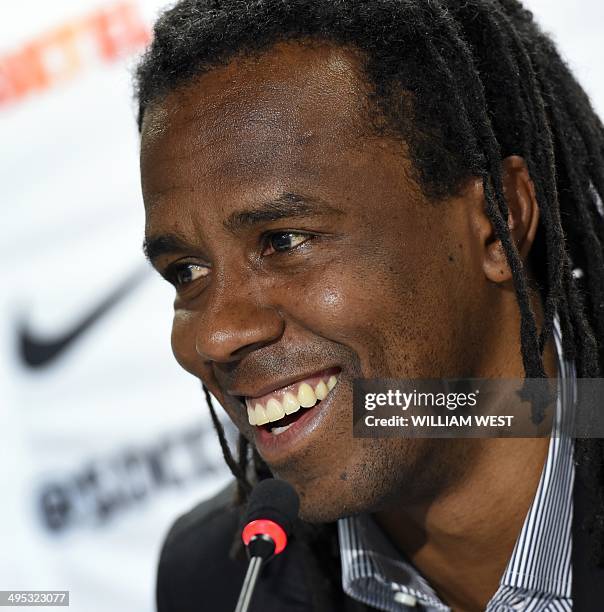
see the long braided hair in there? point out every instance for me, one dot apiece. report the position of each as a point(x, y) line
point(464, 84)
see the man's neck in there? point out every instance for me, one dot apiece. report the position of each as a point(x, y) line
point(462, 543)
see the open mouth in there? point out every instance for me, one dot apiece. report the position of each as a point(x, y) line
point(278, 410)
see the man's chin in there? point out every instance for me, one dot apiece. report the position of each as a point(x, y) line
point(345, 489)
point(317, 515)
point(326, 501)
point(320, 501)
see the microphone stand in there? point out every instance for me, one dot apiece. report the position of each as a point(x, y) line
point(249, 583)
point(260, 548)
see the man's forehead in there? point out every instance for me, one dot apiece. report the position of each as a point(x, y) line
point(286, 113)
point(290, 87)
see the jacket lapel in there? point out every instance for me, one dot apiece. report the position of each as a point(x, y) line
point(588, 579)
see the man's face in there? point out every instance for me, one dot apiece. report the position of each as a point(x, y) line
point(303, 251)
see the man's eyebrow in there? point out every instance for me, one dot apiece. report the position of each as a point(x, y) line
point(286, 206)
point(154, 246)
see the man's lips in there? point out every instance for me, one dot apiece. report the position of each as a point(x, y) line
point(288, 397)
point(279, 440)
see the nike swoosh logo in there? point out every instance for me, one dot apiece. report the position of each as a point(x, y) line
point(36, 352)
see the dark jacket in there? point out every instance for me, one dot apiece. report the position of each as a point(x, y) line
point(197, 571)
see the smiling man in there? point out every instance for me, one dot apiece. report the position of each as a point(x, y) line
point(378, 189)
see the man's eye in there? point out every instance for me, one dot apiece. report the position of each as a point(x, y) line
point(186, 273)
point(282, 242)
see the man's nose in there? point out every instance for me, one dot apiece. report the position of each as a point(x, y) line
point(234, 326)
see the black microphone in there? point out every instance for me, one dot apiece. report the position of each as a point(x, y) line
point(272, 509)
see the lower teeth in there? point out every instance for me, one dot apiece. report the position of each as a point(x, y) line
point(278, 430)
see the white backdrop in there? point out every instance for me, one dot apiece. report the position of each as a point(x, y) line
point(105, 441)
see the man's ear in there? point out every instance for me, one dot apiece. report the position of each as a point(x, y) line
point(523, 220)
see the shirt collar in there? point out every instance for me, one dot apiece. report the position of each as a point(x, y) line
point(541, 560)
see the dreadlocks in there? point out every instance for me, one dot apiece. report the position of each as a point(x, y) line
point(464, 85)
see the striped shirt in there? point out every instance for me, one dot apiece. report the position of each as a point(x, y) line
point(538, 577)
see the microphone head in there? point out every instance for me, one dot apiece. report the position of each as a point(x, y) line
point(273, 500)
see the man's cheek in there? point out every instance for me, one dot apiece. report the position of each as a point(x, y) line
point(335, 306)
point(183, 341)
point(185, 351)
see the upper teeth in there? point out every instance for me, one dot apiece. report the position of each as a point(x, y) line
point(276, 405)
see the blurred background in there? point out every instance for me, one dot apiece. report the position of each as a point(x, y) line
point(104, 441)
